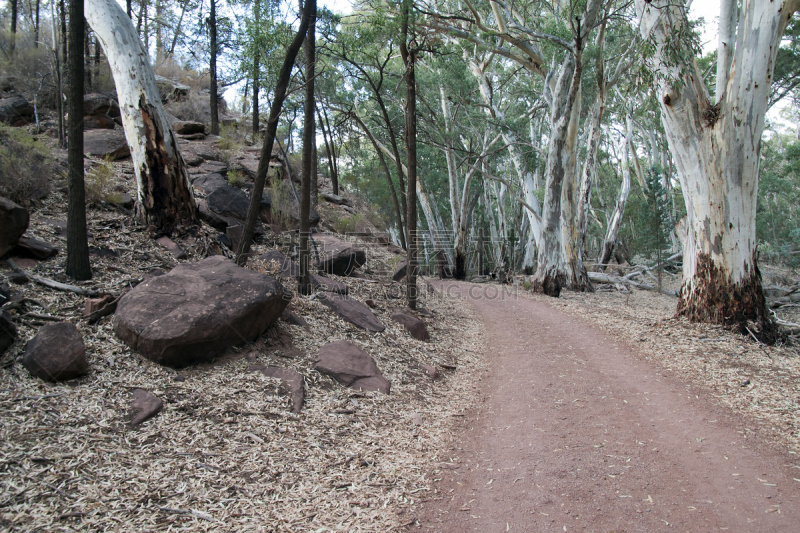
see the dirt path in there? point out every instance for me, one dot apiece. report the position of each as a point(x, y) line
point(575, 433)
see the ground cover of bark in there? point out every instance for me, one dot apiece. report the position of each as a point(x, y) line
point(225, 454)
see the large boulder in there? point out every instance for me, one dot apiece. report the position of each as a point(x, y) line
point(187, 127)
point(337, 256)
point(100, 104)
point(8, 331)
point(352, 311)
point(171, 90)
point(225, 206)
point(106, 144)
point(16, 111)
point(413, 325)
point(99, 111)
point(14, 221)
point(351, 366)
point(56, 353)
point(198, 310)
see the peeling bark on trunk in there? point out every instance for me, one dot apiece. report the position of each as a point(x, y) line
point(164, 194)
point(716, 152)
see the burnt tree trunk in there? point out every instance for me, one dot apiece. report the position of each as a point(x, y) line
point(77, 265)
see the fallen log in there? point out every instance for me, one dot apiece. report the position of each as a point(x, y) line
point(600, 277)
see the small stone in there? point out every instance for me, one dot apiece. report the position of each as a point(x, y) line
point(413, 325)
point(351, 366)
point(370, 303)
point(37, 248)
point(416, 419)
point(144, 405)
point(400, 273)
point(56, 353)
point(26, 262)
point(352, 311)
point(430, 370)
point(95, 304)
point(18, 278)
point(292, 380)
point(293, 318)
point(173, 248)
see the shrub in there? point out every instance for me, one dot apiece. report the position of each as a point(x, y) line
point(25, 166)
point(236, 178)
point(98, 183)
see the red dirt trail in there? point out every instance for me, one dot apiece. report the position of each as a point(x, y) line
point(577, 433)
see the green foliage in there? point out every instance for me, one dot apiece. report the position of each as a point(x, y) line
point(25, 166)
point(777, 224)
point(236, 178)
point(654, 220)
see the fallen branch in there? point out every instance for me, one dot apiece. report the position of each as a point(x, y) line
point(106, 310)
point(600, 277)
point(52, 284)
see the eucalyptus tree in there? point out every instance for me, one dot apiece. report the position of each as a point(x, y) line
point(281, 88)
point(715, 145)
point(514, 32)
point(165, 197)
point(366, 55)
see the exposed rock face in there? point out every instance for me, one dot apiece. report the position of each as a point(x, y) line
point(337, 256)
point(198, 310)
point(16, 111)
point(321, 283)
point(414, 325)
point(400, 273)
point(106, 144)
point(351, 310)
point(171, 90)
point(99, 111)
point(290, 379)
point(8, 331)
point(230, 206)
point(144, 405)
point(293, 318)
point(13, 223)
point(37, 248)
point(351, 366)
point(56, 353)
point(186, 127)
point(100, 104)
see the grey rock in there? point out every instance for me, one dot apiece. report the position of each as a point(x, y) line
point(413, 325)
point(14, 221)
point(56, 353)
point(351, 366)
point(352, 311)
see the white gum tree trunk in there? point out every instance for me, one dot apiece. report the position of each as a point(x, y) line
point(525, 179)
point(164, 194)
point(612, 231)
point(716, 152)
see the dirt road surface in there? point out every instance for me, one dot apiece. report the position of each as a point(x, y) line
point(576, 433)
